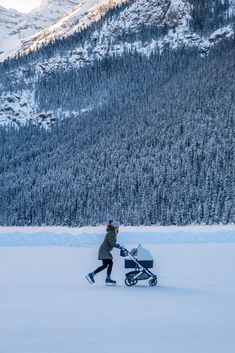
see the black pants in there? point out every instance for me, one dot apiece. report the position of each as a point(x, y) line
point(106, 263)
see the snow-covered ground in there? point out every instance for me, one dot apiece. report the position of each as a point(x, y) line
point(65, 236)
point(47, 306)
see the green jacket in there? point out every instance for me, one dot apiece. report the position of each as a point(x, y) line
point(107, 246)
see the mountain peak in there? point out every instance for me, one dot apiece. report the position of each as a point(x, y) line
point(16, 27)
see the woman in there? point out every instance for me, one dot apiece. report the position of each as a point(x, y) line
point(105, 253)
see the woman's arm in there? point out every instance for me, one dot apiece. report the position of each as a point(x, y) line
point(112, 241)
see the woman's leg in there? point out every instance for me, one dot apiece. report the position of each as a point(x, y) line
point(101, 268)
point(109, 268)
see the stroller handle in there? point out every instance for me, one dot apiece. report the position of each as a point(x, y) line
point(126, 253)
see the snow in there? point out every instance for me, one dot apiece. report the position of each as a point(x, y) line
point(56, 19)
point(80, 17)
point(16, 28)
point(65, 236)
point(48, 306)
point(20, 109)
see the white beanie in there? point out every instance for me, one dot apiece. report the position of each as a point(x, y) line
point(115, 224)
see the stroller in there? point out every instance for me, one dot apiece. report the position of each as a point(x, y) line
point(141, 260)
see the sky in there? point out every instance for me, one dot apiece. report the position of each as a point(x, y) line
point(20, 5)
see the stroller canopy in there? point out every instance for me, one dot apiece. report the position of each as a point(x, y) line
point(142, 255)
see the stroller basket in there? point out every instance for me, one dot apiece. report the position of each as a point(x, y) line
point(140, 276)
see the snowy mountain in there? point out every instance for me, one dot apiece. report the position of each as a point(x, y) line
point(138, 101)
point(99, 29)
point(9, 23)
point(175, 15)
point(54, 19)
point(83, 15)
point(15, 27)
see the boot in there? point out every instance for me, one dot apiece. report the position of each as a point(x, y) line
point(110, 282)
point(90, 277)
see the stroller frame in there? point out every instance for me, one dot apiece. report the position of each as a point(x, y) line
point(140, 273)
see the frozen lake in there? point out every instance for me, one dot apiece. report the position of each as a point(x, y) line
point(47, 306)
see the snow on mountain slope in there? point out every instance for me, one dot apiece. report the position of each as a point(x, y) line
point(16, 27)
point(20, 107)
point(174, 15)
point(108, 39)
point(9, 22)
point(56, 19)
point(83, 15)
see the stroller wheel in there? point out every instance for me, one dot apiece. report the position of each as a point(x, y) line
point(130, 282)
point(153, 282)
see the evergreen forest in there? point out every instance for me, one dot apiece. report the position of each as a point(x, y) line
point(147, 139)
point(156, 146)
